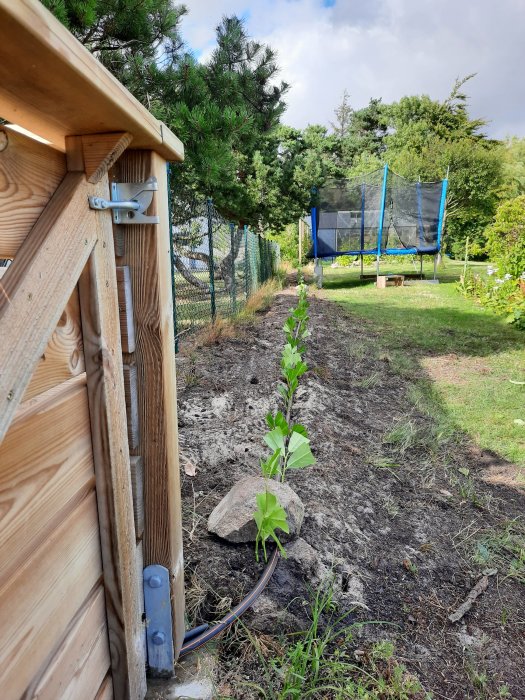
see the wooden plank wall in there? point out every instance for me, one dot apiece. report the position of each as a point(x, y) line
point(53, 629)
point(64, 461)
point(70, 501)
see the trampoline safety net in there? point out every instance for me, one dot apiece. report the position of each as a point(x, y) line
point(379, 212)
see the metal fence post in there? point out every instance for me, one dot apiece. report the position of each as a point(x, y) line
point(172, 259)
point(209, 210)
point(246, 263)
point(233, 290)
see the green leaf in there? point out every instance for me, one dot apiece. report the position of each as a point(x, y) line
point(269, 516)
point(296, 440)
point(275, 439)
point(302, 457)
point(298, 428)
point(270, 467)
point(290, 357)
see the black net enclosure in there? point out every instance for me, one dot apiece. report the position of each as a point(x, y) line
point(377, 213)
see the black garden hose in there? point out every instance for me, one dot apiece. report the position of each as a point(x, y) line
point(196, 642)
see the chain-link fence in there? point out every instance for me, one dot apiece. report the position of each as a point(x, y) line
point(216, 265)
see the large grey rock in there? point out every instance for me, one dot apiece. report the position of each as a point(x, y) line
point(233, 519)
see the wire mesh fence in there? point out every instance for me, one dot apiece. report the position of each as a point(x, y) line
point(217, 266)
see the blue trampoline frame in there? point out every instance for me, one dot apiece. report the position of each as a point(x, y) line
point(378, 251)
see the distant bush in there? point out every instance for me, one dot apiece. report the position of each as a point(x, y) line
point(503, 287)
point(344, 260)
point(506, 238)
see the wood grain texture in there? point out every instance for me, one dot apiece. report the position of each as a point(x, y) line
point(137, 487)
point(58, 88)
point(147, 252)
point(78, 666)
point(63, 357)
point(105, 692)
point(36, 287)
point(132, 404)
point(47, 469)
point(103, 357)
point(125, 305)
point(30, 172)
point(40, 601)
point(101, 152)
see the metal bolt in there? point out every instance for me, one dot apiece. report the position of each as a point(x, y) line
point(154, 582)
point(158, 638)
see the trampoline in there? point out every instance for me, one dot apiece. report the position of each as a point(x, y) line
point(380, 213)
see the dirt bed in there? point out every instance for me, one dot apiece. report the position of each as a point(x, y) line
point(402, 527)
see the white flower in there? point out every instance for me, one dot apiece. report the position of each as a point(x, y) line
point(498, 281)
point(507, 277)
point(490, 270)
point(522, 275)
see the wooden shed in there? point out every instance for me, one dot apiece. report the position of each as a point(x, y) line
point(89, 483)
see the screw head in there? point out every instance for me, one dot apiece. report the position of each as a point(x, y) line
point(158, 638)
point(154, 582)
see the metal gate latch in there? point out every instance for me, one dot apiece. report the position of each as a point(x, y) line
point(129, 201)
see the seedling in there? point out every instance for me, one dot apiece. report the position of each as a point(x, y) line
point(289, 443)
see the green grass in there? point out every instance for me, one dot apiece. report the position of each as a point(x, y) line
point(319, 663)
point(469, 352)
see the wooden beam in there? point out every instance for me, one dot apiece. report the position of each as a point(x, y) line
point(103, 358)
point(30, 172)
point(36, 287)
point(147, 253)
point(101, 152)
point(59, 88)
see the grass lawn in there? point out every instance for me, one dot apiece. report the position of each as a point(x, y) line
point(469, 353)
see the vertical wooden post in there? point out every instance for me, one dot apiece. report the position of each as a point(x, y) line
point(102, 348)
point(147, 253)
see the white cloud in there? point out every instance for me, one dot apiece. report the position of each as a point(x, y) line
point(384, 48)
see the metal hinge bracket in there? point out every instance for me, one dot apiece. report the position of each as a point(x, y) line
point(129, 201)
point(159, 631)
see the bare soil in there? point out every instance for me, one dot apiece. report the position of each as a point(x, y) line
point(397, 529)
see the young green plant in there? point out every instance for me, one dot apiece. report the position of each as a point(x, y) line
point(289, 443)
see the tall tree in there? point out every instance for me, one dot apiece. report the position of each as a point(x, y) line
point(343, 117)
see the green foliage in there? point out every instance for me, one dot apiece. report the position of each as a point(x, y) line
point(319, 663)
point(514, 167)
point(503, 288)
point(506, 238)
point(289, 443)
point(269, 516)
point(116, 30)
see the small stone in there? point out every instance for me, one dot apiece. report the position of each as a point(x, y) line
point(232, 519)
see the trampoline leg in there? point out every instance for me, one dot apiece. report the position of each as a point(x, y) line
point(318, 274)
point(362, 269)
point(377, 267)
point(421, 266)
point(435, 265)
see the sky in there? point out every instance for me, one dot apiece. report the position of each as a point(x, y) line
point(383, 48)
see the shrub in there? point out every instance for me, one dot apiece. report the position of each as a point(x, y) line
point(506, 238)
